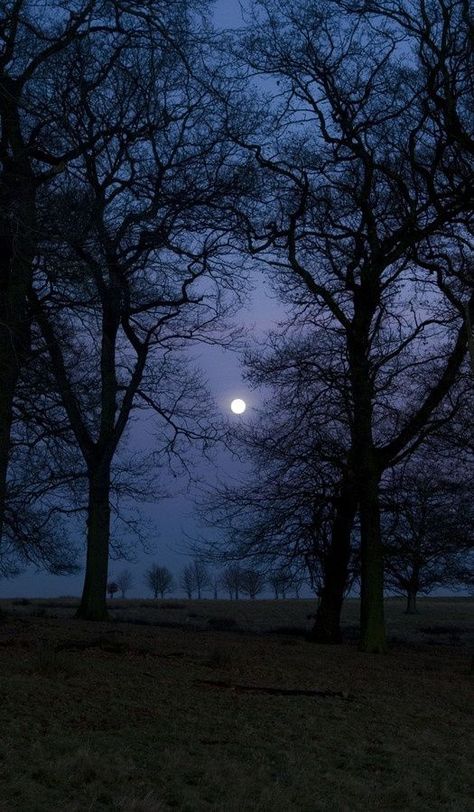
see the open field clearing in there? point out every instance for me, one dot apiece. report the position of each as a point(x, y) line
point(439, 620)
point(135, 716)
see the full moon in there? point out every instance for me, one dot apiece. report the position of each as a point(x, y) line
point(238, 406)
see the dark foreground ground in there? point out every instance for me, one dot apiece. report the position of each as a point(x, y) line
point(197, 705)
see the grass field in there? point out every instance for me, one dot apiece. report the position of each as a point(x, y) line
point(199, 705)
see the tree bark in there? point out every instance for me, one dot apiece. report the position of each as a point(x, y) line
point(327, 626)
point(372, 622)
point(93, 604)
point(367, 474)
point(411, 603)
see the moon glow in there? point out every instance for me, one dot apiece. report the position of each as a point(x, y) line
point(238, 406)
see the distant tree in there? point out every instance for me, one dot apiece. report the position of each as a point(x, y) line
point(124, 582)
point(428, 528)
point(201, 576)
point(188, 581)
point(280, 582)
point(159, 580)
point(216, 581)
point(231, 580)
point(112, 588)
point(298, 583)
point(252, 582)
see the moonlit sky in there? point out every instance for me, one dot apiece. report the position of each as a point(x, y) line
point(174, 519)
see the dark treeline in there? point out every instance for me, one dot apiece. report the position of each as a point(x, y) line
point(145, 161)
point(196, 580)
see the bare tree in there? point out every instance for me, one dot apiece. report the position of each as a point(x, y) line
point(134, 271)
point(298, 583)
point(345, 221)
point(201, 576)
point(112, 589)
point(188, 581)
point(428, 526)
point(124, 582)
point(216, 581)
point(280, 581)
point(159, 580)
point(40, 85)
point(231, 580)
point(296, 509)
point(252, 582)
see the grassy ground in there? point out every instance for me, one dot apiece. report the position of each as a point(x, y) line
point(125, 716)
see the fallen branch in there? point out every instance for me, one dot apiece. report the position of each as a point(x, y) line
point(259, 689)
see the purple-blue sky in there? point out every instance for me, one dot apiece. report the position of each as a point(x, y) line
point(227, 14)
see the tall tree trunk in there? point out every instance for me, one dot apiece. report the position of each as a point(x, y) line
point(17, 250)
point(93, 604)
point(372, 623)
point(327, 626)
point(367, 471)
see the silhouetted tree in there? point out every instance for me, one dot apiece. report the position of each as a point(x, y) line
point(216, 582)
point(280, 582)
point(124, 582)
point(132, 272)
point(159, 580)
point(252, 582)
point(201, 576)
point(296, 509)
point(188, 581)
point(112, 588)
point(42, 55)
point(231, 580)
point(345, 219)
point(428, 526)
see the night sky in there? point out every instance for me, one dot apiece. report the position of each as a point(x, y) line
point(174, 518)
